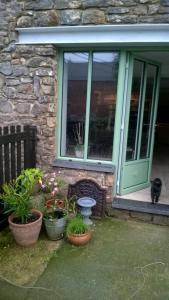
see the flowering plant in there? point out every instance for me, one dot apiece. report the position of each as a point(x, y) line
point(53, 185)
point(50, 183)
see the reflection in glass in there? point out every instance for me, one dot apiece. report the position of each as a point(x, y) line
point(134, 110)
point(151, 75)
point(74, 104)
point(103, 104)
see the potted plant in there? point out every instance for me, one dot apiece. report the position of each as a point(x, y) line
point(24, 222)
point(55, 222)
point(30, 178)
point(70, 206)
point(51, 185)
point(78, 232)
point(79, 137)
point(55, 215)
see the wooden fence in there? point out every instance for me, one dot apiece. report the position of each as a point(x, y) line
point(17, 151)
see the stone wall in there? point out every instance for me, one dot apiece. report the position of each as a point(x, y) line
point(105, 180)
point(28, 74)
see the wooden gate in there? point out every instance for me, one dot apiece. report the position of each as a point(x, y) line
point(17, 151)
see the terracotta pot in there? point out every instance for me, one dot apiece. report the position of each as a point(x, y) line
point(79, 239)
point(57, 203)
point(26, 234)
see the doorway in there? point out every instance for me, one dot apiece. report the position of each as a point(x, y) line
point(159, 138)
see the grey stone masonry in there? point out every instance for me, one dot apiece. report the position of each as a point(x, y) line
point(28, 74)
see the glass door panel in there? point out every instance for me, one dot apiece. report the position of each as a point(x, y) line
point(135, 105)
point(147, 115)
point(140, 118)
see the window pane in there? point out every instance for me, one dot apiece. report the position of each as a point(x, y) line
point(134, 109)
point(151, 72)
point(102, 106)
point(74, 103)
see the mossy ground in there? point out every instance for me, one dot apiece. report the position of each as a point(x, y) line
point(124, 260)
point(24, 265)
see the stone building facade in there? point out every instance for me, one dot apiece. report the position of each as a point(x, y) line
point(28, 73)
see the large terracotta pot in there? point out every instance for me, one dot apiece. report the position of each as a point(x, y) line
point(79, 239)
point(26, 234)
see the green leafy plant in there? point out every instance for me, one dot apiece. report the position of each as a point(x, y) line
point(54, 213)
point(76, 226)
point(16, 194)
point(70, 205)
point(29, 178)
point(16, 201)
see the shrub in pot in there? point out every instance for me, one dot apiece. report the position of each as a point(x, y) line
point(55, 215)
point(58, 206)
point(51, 185)
point(55, 220)
point(78, 232)
point(30, 179)
point(24, 222)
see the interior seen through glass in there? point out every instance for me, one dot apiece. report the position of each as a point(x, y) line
point(74, 103)
point(134, 110)
point(161, 144)
point(141, 110)
point(148, 111)
point(102, 105)
point(102, 94)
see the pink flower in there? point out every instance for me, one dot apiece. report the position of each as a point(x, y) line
point(53, 193)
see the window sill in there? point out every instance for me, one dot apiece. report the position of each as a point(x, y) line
point(98, 167)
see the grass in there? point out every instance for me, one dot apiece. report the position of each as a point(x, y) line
point(22, 266)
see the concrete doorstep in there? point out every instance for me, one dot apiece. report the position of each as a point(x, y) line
point(143, 211)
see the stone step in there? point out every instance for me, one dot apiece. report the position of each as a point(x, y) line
point(141, 206)
point(139, 210)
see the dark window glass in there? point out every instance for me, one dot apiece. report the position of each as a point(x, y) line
point(146, 129)
point(74, 103)
point(134, 110)
point(102, 105)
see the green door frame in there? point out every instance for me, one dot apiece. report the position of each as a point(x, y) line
point(124, 128)
point(124, 77)
point(120, 85)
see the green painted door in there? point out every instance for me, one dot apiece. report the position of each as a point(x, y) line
point(137, 133)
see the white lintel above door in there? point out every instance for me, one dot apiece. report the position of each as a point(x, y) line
point(130, 35)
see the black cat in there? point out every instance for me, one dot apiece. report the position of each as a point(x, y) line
point(156, 186)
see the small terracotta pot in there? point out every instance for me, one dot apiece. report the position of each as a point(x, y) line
point(58, 203)
point(79, 239)
point(26, 234)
